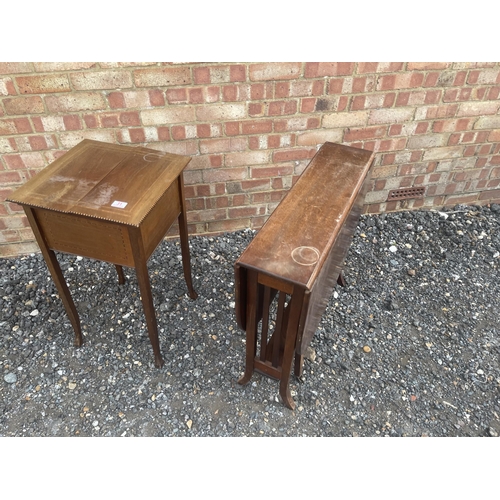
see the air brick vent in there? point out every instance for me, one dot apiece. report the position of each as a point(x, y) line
point(406, 193)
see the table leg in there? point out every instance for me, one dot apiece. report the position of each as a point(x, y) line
point(121, 276)
point(141, 269)
point(251, 327)
point(183, 232)
point(290, 340)
point(57, 276)
point(298, 365)
point(341, 279)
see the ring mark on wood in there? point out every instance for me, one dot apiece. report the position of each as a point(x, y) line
point(305, 256)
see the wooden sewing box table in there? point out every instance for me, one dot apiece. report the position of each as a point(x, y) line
point(112, 203)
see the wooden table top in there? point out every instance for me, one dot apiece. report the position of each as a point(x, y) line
point(294, 242)
point(105, 181)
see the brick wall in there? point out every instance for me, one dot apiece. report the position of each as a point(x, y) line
point(251, 128)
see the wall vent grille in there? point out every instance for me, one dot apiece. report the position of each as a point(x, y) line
point(406, 193)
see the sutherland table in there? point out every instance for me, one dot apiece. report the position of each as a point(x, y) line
point(112, 203)
point(298, 256)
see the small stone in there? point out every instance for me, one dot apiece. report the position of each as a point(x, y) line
point(393, 249)
point(34, 312)
point(412, 272)
point(310, 354)
point(189, 423)
point(367, 348)
point(10, 378)
point(71, 386)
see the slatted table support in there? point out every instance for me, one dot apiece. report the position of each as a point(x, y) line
point(285, 276)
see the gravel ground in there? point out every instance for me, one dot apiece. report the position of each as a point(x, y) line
point(410, 347)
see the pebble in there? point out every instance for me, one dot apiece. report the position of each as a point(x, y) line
point(435, 367)
point(10, 378)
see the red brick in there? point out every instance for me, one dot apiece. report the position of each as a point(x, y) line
point(257, 127)
point(315, 70)
point(230, 93)
point(255, 185)
point(432, 112)
point(493, 93)
point(451, 125)
point(203, 130)
point(335, 86)
point(45, 67)
point(222, 145)
point(80, 101)
point(101, 80)
point(273, 141)
point(224, 174)
point(255, 143)
point(15, 126)
point(7, 86)
point(9, 68)
point(482, 136)
point(224, 226)
point(249, 211)
point(130, 118)
point(232, 128)
point(72, 122)
point(10, 177)
point(374, 67)
point(343, 103)
point(176, 95)
point(278, 108)
point(24, 105)
point(237, 73)
point(90, 121)
point(431, 79)
point(116, 100)
point(195, 96)
point(137, 135)
point(259, 91)
point(479, 93)
point(282, 89)
point(239, 200)
point(274, 71)
point(38, 142)
point(422, 66)
point(313, 123)
point(215, 112)
point(304, 88)
point(156, 97)
point(293, 154)
point(308, 105)
point(42, 84)
point(422, 127)
point(494, 136)
point(478, 108)
point(178, 133)
point(162, 77)
point(487, 76)
point(358, 102)
point(364, 133)
point(109, 121)
point(400, 81)
point(267, 172)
